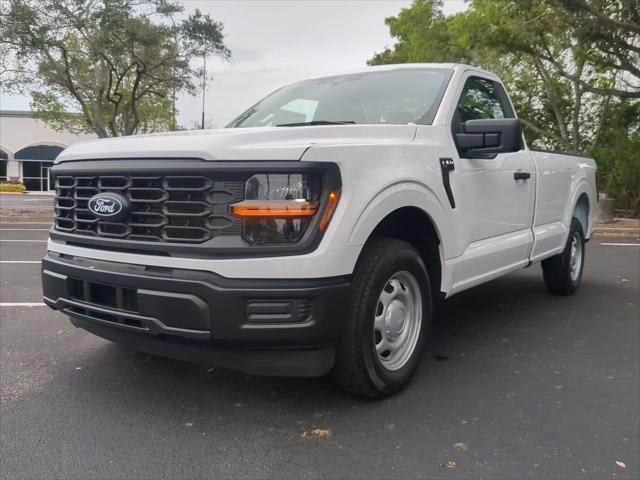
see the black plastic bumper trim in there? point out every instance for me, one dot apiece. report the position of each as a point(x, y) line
point(289, 362)
point(203, 317)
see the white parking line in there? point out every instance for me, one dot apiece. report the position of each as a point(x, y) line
point(35, 241)
point(621, 244)
point(32, 304)
point(20, 261)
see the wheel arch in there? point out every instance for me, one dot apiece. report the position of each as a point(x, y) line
point(414, 226)
point(410, 204)
point(581, 212)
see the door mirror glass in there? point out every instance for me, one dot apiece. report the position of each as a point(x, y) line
point(488, 137)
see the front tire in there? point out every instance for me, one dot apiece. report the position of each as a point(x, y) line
point(389, 318)
point(563, 272)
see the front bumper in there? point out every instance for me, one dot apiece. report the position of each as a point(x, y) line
point(268, 327)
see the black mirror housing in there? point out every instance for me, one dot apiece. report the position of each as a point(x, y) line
point(488, 137)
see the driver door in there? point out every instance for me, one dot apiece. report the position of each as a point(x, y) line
point(495, 209)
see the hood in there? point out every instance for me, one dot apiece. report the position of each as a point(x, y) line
point(227, 144)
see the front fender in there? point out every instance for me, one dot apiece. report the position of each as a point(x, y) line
point(394, 197)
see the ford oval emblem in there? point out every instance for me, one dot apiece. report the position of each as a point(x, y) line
point(108, 206)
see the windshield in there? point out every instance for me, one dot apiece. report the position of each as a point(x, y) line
point(380, 97)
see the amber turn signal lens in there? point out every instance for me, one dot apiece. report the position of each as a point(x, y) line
point(334, 198)
point(280, 209)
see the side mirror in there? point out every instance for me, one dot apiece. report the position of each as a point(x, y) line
point(487, 138)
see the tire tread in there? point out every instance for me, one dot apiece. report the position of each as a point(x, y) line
point(555, 270)
point(350, 371)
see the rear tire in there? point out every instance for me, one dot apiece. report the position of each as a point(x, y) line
point(562, 273)
point(389, 319)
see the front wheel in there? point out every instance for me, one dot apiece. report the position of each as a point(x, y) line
point(563, 272)
point(389, 317)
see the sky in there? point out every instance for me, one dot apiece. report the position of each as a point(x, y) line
point(274, 43)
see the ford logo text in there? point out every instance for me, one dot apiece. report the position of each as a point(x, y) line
point(108, 206)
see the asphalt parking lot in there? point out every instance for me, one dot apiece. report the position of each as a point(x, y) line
point(516, 383)
point(28, 202)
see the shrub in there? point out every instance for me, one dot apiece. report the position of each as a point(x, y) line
point(12, 187)
point(619, 171)
point(618, 156)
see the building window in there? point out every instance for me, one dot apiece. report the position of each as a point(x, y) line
point(36, 176)
point(3, 165)
point(36, 162)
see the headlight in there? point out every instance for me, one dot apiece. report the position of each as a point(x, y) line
point(279, 207)
point(283, 186)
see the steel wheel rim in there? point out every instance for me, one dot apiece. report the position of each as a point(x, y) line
point(575, 257)
point(397, 320)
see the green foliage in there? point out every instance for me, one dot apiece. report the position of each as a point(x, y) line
point(120, 62)
point(48, 107)
point(12, 187)
point(204, 36)
point(612, 28)
point(618, 155)
point(571, 66)
point(423, 35)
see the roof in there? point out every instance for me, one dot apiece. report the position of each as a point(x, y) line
point(402, 66)
point(19, 130)
point(452, 66)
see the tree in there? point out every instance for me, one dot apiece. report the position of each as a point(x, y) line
point(118, 61)
point(205, 38)
point(613, 29)
point(537, 41)
point(618, 155)
point(423, 35)
point(570, 67)
point(544, 59)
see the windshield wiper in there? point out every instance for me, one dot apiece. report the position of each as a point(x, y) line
point(316, 122)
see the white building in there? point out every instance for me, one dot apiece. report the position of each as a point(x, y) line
point(28, 148)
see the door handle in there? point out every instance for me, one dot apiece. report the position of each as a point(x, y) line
point(519, 175)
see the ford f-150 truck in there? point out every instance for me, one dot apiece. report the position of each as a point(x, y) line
point(315, 233)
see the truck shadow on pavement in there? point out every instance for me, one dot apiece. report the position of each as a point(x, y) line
point(472, 333)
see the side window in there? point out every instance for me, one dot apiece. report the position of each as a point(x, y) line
point(482, 99)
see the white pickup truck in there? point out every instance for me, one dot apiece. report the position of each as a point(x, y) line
point(315, 233)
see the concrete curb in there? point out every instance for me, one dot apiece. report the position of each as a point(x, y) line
point(616, 229)
point(617, 232)
point(619, 227)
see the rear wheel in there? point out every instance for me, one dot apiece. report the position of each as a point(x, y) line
point(563, 272)
point(390, 315)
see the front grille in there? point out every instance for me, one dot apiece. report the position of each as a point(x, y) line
point(174, 208)
point(106, 303)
